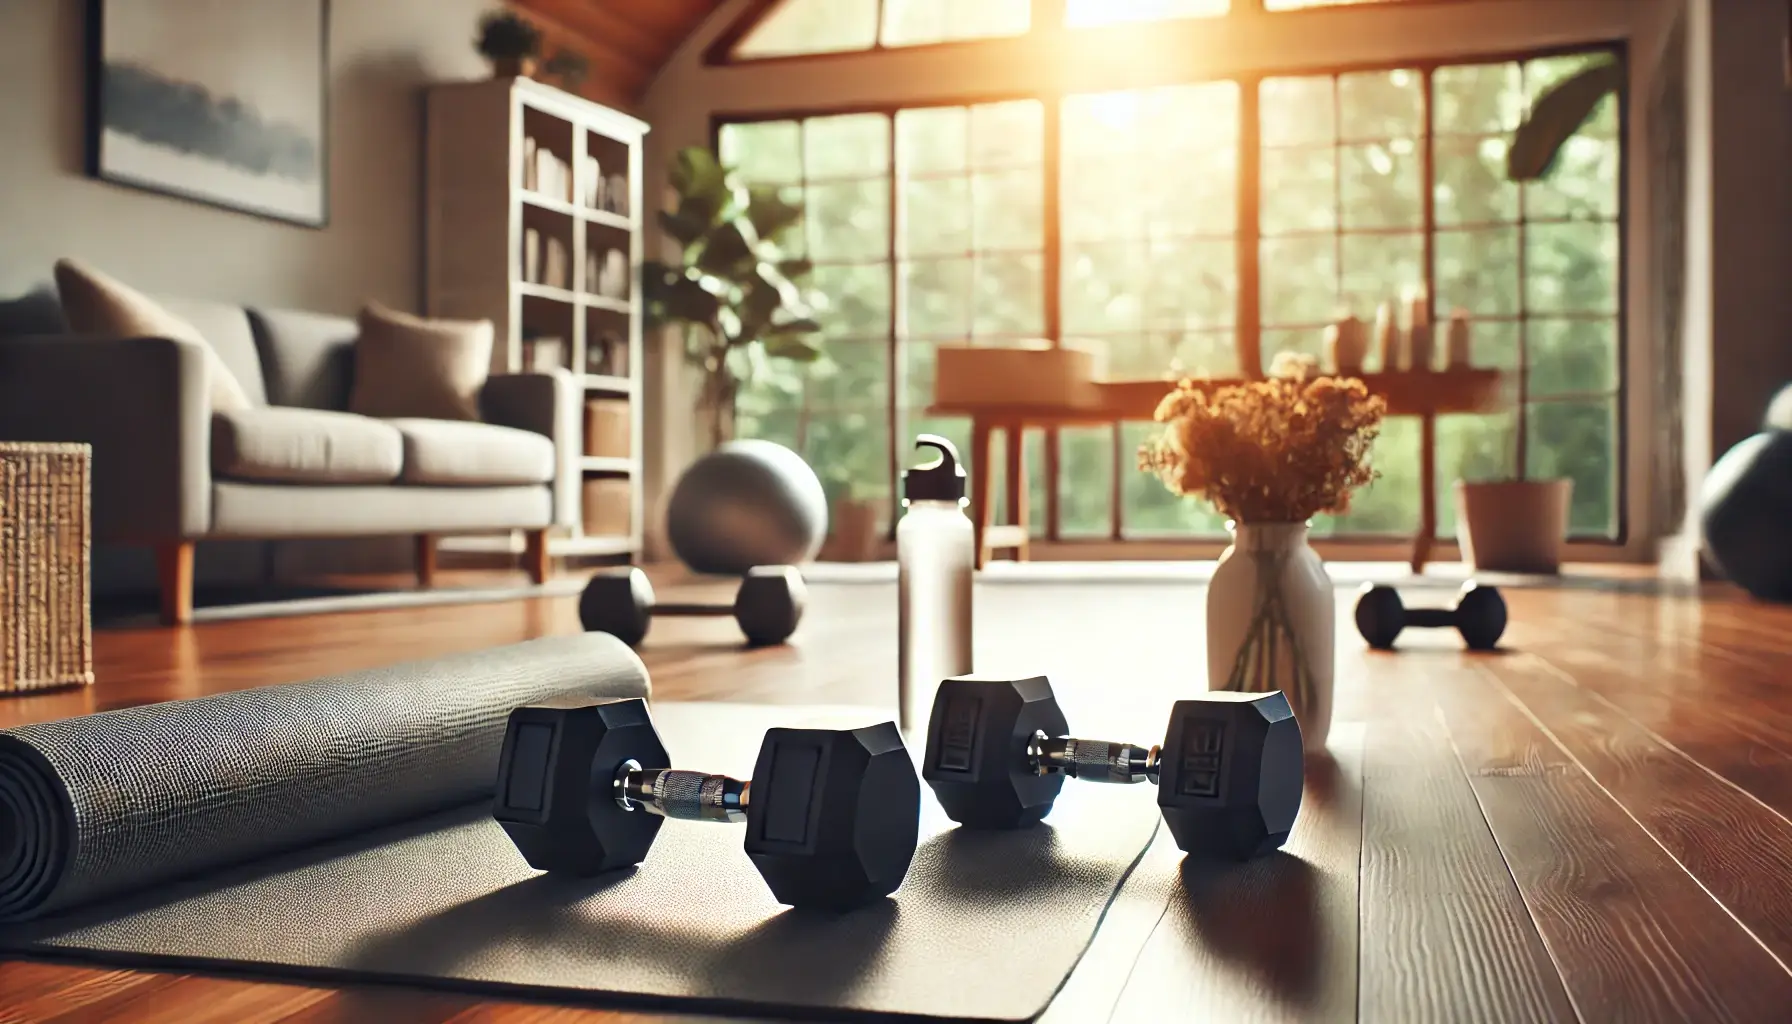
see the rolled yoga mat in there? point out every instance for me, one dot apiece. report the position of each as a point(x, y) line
point(116, 802)
point(987, 925)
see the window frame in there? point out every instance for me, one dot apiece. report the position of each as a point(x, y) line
point(1248, 241)
point(1048, 18)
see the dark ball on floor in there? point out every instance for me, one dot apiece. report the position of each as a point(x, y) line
point(1745, 513)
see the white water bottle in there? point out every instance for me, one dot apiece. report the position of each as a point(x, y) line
point(935, 556)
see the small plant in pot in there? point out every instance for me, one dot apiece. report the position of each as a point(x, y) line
point(511, 42)
point(1515, 523)
point(734, 291)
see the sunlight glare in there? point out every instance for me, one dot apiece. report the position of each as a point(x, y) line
point(1087, 13)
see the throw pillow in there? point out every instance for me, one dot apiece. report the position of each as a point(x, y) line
point(95, 303)
point(409, 367)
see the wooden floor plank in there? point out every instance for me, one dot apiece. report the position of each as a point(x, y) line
point(1274, 939)
point(1726, 839)
point(1445, 934)
point(1635, 938)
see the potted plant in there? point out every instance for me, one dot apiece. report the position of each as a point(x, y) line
point(1516, 523)
point(511, 42)
point(734, 290)
point(567, 67)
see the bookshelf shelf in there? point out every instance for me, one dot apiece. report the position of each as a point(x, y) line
point(532, 221)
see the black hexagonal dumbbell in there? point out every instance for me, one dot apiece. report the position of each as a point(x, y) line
point(1228, 774)
point(1479, 615)
point(768, 606)
point(832, 815)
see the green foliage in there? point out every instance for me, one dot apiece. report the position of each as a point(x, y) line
point(569, 67)
point(1149, 272)
point(504, 34)
point(1557, 115)
point(736, 290)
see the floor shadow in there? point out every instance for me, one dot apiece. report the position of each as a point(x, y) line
point(795, 958)
point(1261, 917)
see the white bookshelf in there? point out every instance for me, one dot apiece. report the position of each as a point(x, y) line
point(497, 211)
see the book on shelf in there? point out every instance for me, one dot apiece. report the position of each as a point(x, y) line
point(554, 263)
point(529, 163)
point(531, 256)
point(592, 188)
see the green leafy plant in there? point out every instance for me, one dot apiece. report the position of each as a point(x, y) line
point(507, 36)
point(569, 67)
point(735, 290)
point(1557, 115)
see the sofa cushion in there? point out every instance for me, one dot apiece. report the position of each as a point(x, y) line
point(308, 358)
point(96, 303)
point(406, 366)
point(445, 452)
point(225, 327)
point(304, 446)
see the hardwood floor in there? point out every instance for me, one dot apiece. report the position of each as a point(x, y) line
point(1595, 824)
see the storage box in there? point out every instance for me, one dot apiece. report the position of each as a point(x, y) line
point(607, 510)
point(608, 428)
point(46, 633)
point(1034, 375)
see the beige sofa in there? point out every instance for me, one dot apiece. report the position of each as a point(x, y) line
point(169, 471)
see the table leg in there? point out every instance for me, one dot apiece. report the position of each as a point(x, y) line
point(1421, 544)
point(982, 458)
point(1016, 483)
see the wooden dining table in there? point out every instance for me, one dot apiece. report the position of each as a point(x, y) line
point(1425, 394)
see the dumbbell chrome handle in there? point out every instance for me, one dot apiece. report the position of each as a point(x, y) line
point(1093, 760)
point(692, 796)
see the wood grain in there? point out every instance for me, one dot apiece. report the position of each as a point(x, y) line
point(1723, 837)
point(1445, 934)
point(1633, 936)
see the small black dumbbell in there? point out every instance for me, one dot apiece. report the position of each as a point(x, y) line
point(1479, 615)
point(1228, 775)
point(768, 606)
point(832, 814)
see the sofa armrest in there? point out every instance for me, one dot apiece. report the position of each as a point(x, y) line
point(143, 406)
point(547, 403)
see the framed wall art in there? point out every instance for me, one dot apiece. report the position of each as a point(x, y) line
point(223, 102)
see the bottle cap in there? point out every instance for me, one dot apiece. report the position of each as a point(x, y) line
point(940, 480)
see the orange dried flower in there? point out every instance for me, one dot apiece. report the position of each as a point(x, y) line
point(1280, 450)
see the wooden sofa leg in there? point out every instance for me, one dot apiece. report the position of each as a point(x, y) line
point(174, 570)
point(426, 560)
point(535, 555)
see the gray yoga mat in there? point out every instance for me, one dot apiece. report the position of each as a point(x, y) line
point(986, 926)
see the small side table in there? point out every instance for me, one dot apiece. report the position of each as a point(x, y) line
point(46, 625)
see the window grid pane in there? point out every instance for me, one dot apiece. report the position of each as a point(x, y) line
point(1149, 260)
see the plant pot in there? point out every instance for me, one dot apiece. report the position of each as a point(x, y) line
point(1271, 614)
point(1513, 525)
point(514, 67)
point(854, 534)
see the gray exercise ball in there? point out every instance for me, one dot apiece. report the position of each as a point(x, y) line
point(1779, 411)
point(1745, 514)
point(747, 503)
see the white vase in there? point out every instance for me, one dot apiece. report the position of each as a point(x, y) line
point(1270, 620)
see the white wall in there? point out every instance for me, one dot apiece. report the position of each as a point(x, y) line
point(1738, 312)
point(688, 94)
point(381, 54)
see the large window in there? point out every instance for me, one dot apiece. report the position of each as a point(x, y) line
point(933, 226)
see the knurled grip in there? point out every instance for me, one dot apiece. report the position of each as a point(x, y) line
point(1098, 760)
point(680, 794)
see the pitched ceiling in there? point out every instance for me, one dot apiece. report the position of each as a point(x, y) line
point(626, 41)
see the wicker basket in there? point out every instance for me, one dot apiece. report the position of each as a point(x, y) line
point(46, 632)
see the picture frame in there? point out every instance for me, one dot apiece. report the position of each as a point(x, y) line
point(222, 104)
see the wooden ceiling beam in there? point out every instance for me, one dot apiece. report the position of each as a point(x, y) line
point(595, 21)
